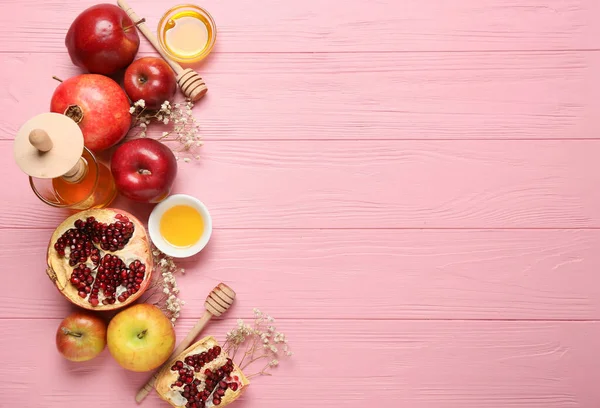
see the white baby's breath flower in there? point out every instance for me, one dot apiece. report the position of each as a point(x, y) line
point(132, 110)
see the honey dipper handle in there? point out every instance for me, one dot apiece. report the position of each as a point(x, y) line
point(185, 343)
point(149, 35)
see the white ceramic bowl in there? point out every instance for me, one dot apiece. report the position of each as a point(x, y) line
point(154, 225)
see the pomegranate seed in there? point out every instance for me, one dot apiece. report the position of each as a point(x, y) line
point(188, 379)
point(178, 383)
point(223, 384)
point(233, 386)
point(220, 392)
point(216, 400)
point(121, 298)
point(235, 377)
point(94, 302)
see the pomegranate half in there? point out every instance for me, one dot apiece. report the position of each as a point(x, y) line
point(100, 259)
point(201, 376)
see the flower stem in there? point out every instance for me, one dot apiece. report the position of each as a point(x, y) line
point(252, 361)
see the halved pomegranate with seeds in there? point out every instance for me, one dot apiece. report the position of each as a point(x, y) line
point(201, 376)
point(100, 259)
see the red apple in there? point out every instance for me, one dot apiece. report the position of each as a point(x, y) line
point(141, 338)
point(98, 104)
point(102, 39)
point(150, 79)
point(81, 336)
point(144, 170)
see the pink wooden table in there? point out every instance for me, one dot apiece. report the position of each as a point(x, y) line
point(409, 186)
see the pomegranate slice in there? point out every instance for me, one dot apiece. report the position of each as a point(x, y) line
point(100, 259)
point(201, 376)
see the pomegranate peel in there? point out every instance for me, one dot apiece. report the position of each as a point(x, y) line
point(114, 247)
point(201, 376)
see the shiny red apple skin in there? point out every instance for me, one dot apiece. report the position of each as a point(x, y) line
point(81, 336)
point(150, 79)
point(104, 104)
point(102, 39)
point(144, 170)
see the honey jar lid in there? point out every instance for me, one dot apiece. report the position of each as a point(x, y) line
point(48, 145)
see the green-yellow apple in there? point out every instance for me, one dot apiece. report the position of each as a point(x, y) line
point(81, 336)
point(141, 338)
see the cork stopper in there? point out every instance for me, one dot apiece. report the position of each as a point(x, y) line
point(50, 145)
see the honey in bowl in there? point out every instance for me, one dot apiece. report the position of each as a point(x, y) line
point(187, 33)
point(181, 226)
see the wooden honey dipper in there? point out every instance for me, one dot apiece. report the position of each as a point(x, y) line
point(191, 83)
point(217, 303)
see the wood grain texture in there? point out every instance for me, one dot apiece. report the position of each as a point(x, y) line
point(409, 187)
point(404, 184)
point(418, 364)
point(481, 95)
point(358, 274)
point(317, 26)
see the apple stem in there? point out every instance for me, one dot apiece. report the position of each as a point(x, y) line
point(143, 20)
point(144, 172)
point(142, 334)
point(57, 78)
point(70, 333)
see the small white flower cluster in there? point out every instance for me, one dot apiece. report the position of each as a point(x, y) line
point(259, 341)
point(185, 130)
point(167, 269)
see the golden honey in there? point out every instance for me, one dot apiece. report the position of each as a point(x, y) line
point(187, 33)
point(96, 189)
point(181, 226)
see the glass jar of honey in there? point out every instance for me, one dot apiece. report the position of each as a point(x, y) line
point(187, 33)
point(63, 173)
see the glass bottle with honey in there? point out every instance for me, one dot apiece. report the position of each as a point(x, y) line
point(62, 172)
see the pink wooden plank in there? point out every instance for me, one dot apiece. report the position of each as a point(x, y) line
point(358, 274)
point(418, 364)
point(317, 26)
point(404, 184)
point(362, 96)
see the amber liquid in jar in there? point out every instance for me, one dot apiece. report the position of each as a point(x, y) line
point(96, 189)
point(187, 34)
